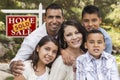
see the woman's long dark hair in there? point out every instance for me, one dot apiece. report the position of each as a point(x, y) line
point(35, 58)
point(78, 26)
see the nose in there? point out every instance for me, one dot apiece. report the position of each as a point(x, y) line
point(54, 20)
point(95, 44)
point(50, 53)
point(74, 36)
point(90, 23)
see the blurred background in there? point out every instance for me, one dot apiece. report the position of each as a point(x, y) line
point(110, 10)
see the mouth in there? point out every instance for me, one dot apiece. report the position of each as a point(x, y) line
point(96, 50)
point(76, 42)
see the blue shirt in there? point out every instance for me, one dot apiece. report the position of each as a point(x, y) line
point(89, 68)
point(108, 41)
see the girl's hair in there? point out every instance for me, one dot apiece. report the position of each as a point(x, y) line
point(35, 58)
point(78, 26)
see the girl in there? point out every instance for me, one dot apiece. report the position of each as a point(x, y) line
point(37, 67)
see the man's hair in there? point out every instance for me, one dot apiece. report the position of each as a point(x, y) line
point(53, 6)
point(94, 31)
point(91, 9)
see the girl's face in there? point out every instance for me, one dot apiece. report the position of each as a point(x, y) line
point(72, 36)
point(47, 52)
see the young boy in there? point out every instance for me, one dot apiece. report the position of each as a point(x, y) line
point(91, 19)
point(96, 64)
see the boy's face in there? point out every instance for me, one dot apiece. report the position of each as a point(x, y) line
point(95, 44)
point(91, 21)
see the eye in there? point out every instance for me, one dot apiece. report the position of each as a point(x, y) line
point(69, 34)
point(47, 48)
point(85, 20)
point(94, 20)
point(77, 32)
point(58, 17)
point(55, 51)
point(99, 42)
point(50, 17)
point(91, 42)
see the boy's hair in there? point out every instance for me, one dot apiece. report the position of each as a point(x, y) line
point(53, 6)
point(90, 9)
point(94, 31)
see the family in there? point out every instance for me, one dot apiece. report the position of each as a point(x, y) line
point(66, 49)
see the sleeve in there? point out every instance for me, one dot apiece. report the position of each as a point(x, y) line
point(29, 44)
point(58, 70)
point(108, 41)
point(114, 71)
point(79, 72)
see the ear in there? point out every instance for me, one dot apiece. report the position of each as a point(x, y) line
point(104, 45)
point(37, 49)
point(85, 45)
point(44, 18)
point(100, 20)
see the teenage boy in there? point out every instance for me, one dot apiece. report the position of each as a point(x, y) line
point(91, 19)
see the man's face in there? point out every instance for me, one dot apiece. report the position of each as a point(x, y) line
point(53, 19)
point(91, 21)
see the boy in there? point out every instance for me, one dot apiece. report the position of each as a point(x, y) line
point(96, 64)
point(91, 19)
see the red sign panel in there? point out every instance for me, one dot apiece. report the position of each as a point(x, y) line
point(19, 25)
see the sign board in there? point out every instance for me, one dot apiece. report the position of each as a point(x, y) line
point(20, 25)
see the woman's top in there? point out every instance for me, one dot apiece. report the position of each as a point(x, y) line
point(60, 71)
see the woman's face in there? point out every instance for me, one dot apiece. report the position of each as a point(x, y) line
point(72, 37)
point(47, 52)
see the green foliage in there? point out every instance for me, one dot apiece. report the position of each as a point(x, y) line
point(9, 78)
point(2, 26)
point(114, 16)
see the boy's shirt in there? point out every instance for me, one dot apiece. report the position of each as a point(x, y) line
point(108, 41)
point(89, 68)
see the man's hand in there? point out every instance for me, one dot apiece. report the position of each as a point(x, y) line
point(16, 67)
point(67, 58)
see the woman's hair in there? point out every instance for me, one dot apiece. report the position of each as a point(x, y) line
point(78, 26)
point(35, 57)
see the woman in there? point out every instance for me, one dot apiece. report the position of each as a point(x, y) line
point(71, 37)
point(44, 54)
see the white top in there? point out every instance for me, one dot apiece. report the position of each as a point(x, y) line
point(30, 43)
point(60, 71)
point(29, 73)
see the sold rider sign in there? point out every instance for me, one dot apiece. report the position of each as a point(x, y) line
point(20, 26)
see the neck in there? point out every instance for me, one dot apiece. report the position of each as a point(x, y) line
point(75, 52)
point(40, 66)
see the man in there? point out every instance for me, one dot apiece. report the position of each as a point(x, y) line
point(53, 19)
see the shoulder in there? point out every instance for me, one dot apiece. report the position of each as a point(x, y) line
point(81, 58)
point(104, 32)
point(59, 62)
point(108, 56)
point(28, 65)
